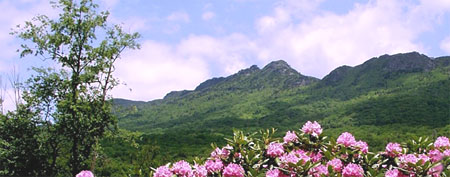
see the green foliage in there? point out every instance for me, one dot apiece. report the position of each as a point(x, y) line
point(386, 98)
point(21, 151)
point(308, 154)
point(66, 112)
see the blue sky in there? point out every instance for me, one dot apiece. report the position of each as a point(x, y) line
point(186, 42)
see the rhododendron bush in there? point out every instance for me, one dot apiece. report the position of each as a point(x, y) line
point(309, 153)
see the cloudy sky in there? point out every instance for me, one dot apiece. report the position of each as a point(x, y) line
point(185, 42)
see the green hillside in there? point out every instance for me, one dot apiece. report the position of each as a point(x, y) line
point(387, 98)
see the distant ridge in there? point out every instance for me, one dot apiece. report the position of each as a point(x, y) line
point(387, 98)
point(276, 74)
point(409, 88)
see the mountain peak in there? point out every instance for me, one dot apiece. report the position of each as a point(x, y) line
point(248, 71)
point(409, 62)
point(277, 65)
point(375, 71)
point(280, 67)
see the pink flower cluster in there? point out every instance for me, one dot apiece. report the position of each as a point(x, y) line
point(221, 153)
point(163, 171)
point(85, 173)
point(393, 149)
point(213, 165)
point(233, 170)
point(275, 149)
point(275, 173)
point(346, 139)
point(362, 146)
point(182, 168)
point(318, 171)
point(290, 137)
point(294, 157)
point(200, 171)
point(353, 170)
point(392, 173)
point(316, 156)
point(433, 155)
point(408, 158)
point(336, 164)
point(312, 128)
point(442, 142)
point(298, 156)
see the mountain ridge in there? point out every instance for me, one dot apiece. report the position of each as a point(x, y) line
point(402, 62)
point(343, 83)
point(254, 77)
point(386, 97)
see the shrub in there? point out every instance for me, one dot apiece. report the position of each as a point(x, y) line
point(309, 153)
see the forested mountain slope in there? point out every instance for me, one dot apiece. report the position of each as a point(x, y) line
point(390, 97)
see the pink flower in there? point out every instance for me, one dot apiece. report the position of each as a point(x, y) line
point(221, 153)
point(409, 158)
point(436, 171)
point(163, 171)
point(312, 128)
point(290, 137)
point(435, 155)
point(275, 173)
point(442, 142)
point(424, 158)
point(393, 149)
point(447, 153)
point(318, 171)
point(346, 139)
point(363, 146)
point(294, 157)
point(405, 159)
point(200, 171)
point(233, 170)
point(353, 170)
point(182, 168)
point(336, 164)
point(302, 155)
point(85, 173)
point(316, 156)
point(213, 166)
point(275, 149)
point(289, 158)
point(392, 173)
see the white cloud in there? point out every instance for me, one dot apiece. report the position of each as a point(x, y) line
point(313, 41)
point(15, 13)
point(179, 17)
point(208, 15)
point(445, 45)
point(231, 53)
point(156, 69)
point(159, 68)
point(324, 41)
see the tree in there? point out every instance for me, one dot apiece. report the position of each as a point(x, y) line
point(72, 101)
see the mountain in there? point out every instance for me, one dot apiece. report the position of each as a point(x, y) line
point(277, 74)
point(391, 97)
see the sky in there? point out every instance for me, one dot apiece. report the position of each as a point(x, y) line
point(187, 42)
